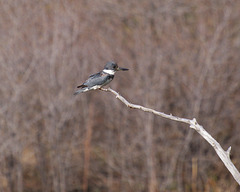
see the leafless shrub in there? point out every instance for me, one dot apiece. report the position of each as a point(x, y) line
point(183, 59)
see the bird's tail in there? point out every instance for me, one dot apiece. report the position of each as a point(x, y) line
point(81, 91)
point(83, 87)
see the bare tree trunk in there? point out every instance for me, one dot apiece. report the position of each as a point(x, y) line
point(87, 146)
point(42, 159)
point(110, 162)
point(123, 163)
point(62, 175)
point(19, 177)
point(194, 174)
point(152, 180)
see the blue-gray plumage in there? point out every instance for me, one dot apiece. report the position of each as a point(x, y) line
point(100, 79)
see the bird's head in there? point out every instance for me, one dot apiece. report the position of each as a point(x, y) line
point(112, 67)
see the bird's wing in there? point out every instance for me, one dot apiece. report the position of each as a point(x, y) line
point(95, 75)
point(96, 79)
point(81, 86)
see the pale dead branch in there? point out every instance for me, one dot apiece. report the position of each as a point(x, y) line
point(224, 155)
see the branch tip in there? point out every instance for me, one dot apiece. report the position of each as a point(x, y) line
point(195, 121)
point(229, 151)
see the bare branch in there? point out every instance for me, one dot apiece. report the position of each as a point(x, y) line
point(224, 155)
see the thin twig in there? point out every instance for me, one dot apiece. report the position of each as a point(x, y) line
point(224, 155)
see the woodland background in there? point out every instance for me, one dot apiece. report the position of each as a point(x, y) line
point(184, 59)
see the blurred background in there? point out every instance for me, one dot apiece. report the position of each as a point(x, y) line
point(183, 58)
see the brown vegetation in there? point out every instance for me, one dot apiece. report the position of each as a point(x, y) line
point(183, 58)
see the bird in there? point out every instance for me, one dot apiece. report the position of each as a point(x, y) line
point(100, 79)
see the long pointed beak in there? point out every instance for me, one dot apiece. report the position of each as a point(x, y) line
point(122, 69)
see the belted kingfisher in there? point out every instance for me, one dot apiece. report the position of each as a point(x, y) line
point(100, 79)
